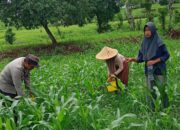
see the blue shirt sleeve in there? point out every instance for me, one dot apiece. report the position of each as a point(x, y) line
point(164, 53)
point(140, 57)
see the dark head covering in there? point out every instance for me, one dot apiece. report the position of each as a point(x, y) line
point(32, 59)
point(150, 45)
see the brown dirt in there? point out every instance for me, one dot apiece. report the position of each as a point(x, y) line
point(64, 48)
point(174, 34)
point(43, 49)
point(72, 48)
point(130, 39)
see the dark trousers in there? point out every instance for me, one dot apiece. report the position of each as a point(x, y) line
point(8, 94)
point(160, 82)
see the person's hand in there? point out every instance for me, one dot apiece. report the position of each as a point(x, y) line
point(30, 93)
point(111, 77)
point(126, 60)
point(151, 62)
point(130, 60)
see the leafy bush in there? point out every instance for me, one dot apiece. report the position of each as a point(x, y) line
point(9, 36)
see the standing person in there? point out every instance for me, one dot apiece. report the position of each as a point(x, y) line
point(155, 54)
point(116, 64)
point(14, 73)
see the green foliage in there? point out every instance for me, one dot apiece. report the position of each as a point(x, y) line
point(67, 87)
point(71, 95)
point(76, 12)
point(147, 6)
point(68, 94)
point(139, 24)
point(120, 18)
point(176, 16)
point(104, 11)
point(31, 14)
point(148, 9)
point(162, 17)
point(9, 36)
point(163, 2)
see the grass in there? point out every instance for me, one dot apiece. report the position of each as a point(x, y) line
point(68, 95)
point(67, 87)
point(26, 38)
point(85, 34)
point(79, 35)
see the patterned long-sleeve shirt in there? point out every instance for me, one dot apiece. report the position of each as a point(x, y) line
point(119, 59)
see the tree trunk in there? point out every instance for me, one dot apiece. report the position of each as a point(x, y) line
point(129, 15)
point(99, 22)
point(54, 42)
point(170, 10)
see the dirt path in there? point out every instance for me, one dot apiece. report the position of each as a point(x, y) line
point(45, 49)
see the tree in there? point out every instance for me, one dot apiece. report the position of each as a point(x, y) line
point(132, 4)
point(76, 12)
point(129, 5)
point(169, 4)
point(162, 17)
point(82, 11)
point(148, 5)
point(104, 11)
point(30, 14)
point(129, 15)
point(120, 19)
point(170, 11)
point(163, 2)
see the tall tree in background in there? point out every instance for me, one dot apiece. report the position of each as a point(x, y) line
point(148, 5)
point(129, 14)
point(104, 11)
point(76, 12)
point(30, 14)
point(162, 18)
point(129, 6)
point(170, 11)
point(163, 2)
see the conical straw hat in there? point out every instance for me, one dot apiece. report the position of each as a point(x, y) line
point(106, 53)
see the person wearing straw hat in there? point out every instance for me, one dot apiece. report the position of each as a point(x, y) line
point(14, 73)
point(116, 63)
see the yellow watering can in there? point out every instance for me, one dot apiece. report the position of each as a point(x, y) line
point(115, 85)
point(112, 87)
